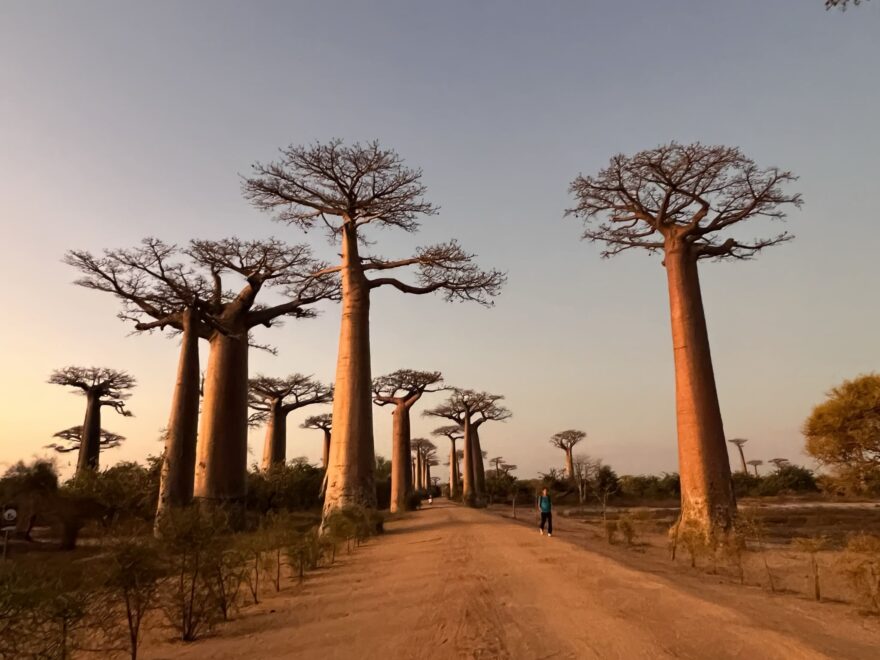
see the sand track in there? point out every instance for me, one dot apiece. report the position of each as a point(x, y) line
point(450, 582)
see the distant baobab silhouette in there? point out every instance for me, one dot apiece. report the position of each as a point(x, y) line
point(274, 399)
point(102, 388)
point(402, 389)
point(739, 442)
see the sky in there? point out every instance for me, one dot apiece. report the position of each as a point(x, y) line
point(121, 120)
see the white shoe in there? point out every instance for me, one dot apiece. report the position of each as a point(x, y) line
point(542, 532)
point(549, 534)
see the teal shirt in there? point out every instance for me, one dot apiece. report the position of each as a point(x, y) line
point(544, 503)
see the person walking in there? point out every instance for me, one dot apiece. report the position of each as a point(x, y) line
point(545, 507)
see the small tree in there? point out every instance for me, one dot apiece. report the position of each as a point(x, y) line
point(73, 437)
point(102, 388)
point(843, 432)
point(402, 389)
point(134, 572)
point(681, 200)
point(274, 399)
point(349, 189)
point(324, 423)
point(566, 441)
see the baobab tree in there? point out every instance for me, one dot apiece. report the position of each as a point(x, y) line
point(418, 450)
point(221, 450)
point(755, 462)
point(566, 441)
point(274, 399)
point(683, 201)
point(159, 291)
point(102, 388)
point(454, 433)
point(73, 438)
point(470, 410)
point(780, 463)
point(348, 189)
point(324, 423)
point(402, 389)
point(739, 442)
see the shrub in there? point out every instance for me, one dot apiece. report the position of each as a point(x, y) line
point(788, 479)
point(190, 538)
point(626, 527)
point(132, 582)
point(862, 562)
point(294, 486)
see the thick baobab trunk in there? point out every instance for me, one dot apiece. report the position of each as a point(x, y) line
point(569, 464)
point(179, 460)
point(420, 472)
point(468, 496)
point(352, 458)
point(707, 500)
point(479, 468)
point(275, 446)
point(428, 484)
point(453, 471)
point(221, 452)
point(90, 443)
point(326, 459)
point(399, 457)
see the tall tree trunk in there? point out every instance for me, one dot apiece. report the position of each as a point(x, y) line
point(90, 442)
point(326, 459)
point(479, 468)
point(275, 445)
point(468, 496)
point(179, 460)
point(707, 500)
point(399, 456)
point(569, 464)
point(221, 452)
point(453, 471)
point(428, 484)
point(420, 472)
point(352, 456)
point(756, 470)
point(742, 457)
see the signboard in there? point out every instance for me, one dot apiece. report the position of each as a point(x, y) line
point(10, 515)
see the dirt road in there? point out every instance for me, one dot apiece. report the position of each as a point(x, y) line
point(450, 582)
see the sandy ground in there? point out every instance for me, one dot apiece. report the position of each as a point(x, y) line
point(450, 582)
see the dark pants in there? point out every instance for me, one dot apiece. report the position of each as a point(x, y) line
point(547, 519)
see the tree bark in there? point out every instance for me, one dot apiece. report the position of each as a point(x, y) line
point(420, 472)
point(179, 460)
point(326, 458)
point(569, 463)
point(399, 457)
point(468, 497)
point(90, 443)
point(453, 471)
point(707, 500)
point(352, 456)
point(479, 468)
point(221, 452)
point(428, 477)
point(275, 446)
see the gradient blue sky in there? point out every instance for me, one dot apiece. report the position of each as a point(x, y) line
point(120, 120)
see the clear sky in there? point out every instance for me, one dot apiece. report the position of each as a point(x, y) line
point(120, 120)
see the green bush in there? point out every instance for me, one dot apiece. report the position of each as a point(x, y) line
point(788, 479)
